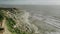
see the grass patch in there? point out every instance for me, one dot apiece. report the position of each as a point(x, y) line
point(10, 23)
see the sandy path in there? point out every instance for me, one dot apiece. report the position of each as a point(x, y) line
point(5, 28)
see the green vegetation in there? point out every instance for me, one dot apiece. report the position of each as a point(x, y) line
point(1, 16)
point(10, 22)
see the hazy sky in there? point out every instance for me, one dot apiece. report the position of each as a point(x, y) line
point(36, 2)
